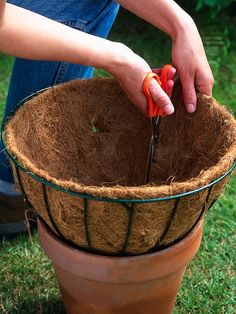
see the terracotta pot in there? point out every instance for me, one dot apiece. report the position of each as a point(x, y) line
point(94, 284)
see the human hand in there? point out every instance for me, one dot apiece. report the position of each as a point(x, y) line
point(130, 71)
point(189, 58)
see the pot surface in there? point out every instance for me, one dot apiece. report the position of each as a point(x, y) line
point(98, 284)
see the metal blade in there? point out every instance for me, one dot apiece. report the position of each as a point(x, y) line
point(149, 162)
point(155, 125)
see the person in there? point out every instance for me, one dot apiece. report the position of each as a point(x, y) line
point(56, 41)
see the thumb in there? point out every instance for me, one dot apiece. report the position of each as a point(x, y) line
point(160, 97)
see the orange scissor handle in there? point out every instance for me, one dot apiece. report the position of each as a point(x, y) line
point(153, 109)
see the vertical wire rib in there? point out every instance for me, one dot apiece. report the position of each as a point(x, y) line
point(212, 203)
point(203, 207)
point(45, 197)
point(170, 220)
point(130, 211)
point(86, 208)
point(201, 212)
point(22, 187)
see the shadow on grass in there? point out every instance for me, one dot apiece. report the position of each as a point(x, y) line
point(40, 306)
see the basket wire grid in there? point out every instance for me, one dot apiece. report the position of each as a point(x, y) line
point(128, 204)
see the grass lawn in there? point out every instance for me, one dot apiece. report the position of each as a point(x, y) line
point(27, 282)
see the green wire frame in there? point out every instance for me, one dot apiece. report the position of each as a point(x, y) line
point(130, 211)
point(87, 196)
point(128, 204)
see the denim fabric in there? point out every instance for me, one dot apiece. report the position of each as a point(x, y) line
point(91, 16)
point(81, 11)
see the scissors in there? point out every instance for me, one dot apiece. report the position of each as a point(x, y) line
point(154, 113)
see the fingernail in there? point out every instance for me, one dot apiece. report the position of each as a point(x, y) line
point(169, 109)
point(191, 108)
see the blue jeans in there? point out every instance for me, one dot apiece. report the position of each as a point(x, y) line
point(91, 16)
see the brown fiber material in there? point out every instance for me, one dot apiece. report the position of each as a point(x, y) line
point(87, 137)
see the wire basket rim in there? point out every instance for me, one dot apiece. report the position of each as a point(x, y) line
point(87, 196)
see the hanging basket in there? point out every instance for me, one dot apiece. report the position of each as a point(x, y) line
point(79, 153)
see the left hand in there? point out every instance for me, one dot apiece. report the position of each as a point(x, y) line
point(130, 70)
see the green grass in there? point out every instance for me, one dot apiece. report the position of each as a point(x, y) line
point(209, 283)
point(5, 68)
point(27, 282)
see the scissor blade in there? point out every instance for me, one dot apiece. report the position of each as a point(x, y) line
point(149, 161)
point(155, 124)
point(156, 130)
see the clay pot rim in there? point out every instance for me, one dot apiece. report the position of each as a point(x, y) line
point(100, 268)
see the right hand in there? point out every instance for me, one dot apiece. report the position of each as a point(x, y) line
point(190, 60)
point(129, 70)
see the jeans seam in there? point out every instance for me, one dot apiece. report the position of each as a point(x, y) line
point(77, 24)
point(63, 66)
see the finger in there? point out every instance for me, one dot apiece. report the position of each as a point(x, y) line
point(169, 87)
point(160, 97)
point(171, 72)
point(204, 82)
point(189, 93)
point(170, 79)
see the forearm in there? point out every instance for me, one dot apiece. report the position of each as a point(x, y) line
point(165, 15)
point(28, 35)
